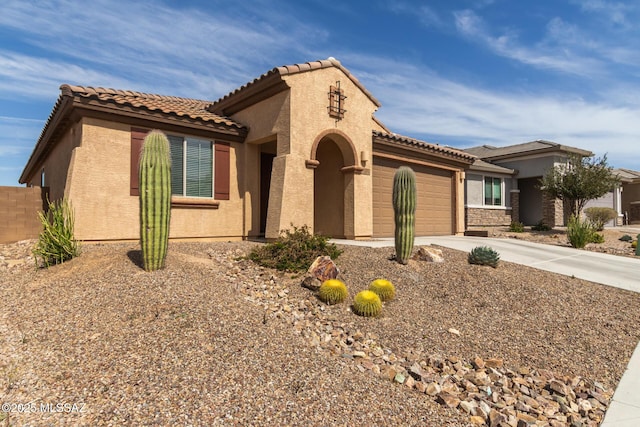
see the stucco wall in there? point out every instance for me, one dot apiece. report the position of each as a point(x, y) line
point(296, 118)
point(99, 188)
point(532, 166)
point(19, 213)
point(57, 163)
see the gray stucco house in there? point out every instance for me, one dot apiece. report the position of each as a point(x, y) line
point(502, 185)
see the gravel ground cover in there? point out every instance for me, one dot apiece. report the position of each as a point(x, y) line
point(216, 340)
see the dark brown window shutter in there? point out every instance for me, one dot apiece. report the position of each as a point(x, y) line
point(137, 138)
point(221, 170)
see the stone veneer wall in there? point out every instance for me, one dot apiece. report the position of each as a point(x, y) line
point(515, 205)
point(552, 211)
point(478, 217)
point(19, 213)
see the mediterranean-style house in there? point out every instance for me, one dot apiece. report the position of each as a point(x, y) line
point(299, 145)
point(502, 184)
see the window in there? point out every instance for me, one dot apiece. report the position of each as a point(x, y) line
point(492, 191)
point(199, 167)
point(336, 102)
point(191, 167)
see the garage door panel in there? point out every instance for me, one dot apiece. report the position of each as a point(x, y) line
point(434, 208)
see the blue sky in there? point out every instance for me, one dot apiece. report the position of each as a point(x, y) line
point(460, 73)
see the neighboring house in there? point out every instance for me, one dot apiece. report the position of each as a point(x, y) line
point(299, 145)
point(512, 193)
point(630, 181)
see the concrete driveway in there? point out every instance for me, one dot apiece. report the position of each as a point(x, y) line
point(621, 272)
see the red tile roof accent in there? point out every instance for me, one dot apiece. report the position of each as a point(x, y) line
point(435, 148)
point(278, 72)
point(182, 107)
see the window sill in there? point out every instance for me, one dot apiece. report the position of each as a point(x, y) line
point(194, 202)
point(503, 208)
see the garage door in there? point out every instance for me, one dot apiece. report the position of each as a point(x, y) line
point(434, 209)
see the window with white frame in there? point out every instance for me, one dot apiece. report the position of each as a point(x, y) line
point(191, 167)
point(493, 191)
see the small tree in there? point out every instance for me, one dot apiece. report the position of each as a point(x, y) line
point(579, 180)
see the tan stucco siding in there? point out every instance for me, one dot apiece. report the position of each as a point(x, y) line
point(57, 163)
point(99, 188)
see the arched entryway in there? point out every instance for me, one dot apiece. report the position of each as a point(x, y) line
point(329, 189)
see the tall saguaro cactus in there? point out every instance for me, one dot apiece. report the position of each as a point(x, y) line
point(155, 199)
point(404, 207)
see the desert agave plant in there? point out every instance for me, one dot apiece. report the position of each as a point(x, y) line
point(383, 288)
point(367, 303)
point(484, 255)
point(332, 291)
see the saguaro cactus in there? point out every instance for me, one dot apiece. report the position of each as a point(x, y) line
point(638, 245)
point(155, 199)
point(404, 206)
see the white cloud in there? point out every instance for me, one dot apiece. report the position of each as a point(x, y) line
point(420, 103)
point(543, 55)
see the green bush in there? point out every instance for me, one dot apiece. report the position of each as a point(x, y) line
point(516, 227)
point(295, 250)
point(597, 238)
point(541, 226)
point(56, 243)
point(600, 216)
point(626, 238)
point(484, 255)
point(579, 232)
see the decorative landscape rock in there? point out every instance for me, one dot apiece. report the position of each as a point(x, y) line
point(323, 268)
point(488, 391)
point(429, 254)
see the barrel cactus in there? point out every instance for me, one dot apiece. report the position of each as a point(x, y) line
point(332, 291)
point(404, 207)
point(155, 199)
point(383, 288)
point(484, 255)
point(367, 303)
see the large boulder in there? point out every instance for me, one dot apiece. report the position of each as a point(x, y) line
point(323, 268)
point(428, 253)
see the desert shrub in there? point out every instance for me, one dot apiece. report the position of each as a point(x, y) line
point(333, 291)
point(383, 288)
point(295, 250)
point(56, 243)
point(600, 216)
point(484, 255)
point(597, 237)
point(540, 226)
point(516, 227)
point(367, 303)
point(579, 232)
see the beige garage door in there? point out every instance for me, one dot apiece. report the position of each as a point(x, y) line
point(434, 210)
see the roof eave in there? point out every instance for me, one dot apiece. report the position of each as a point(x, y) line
point(61, 111)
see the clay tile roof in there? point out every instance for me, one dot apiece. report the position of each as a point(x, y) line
point(276, 75)
point(435, 148)
point(171, 105)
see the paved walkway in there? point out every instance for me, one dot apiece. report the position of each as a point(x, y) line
point(618, 271)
